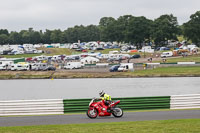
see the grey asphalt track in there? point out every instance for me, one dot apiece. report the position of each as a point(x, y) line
point(82, 118)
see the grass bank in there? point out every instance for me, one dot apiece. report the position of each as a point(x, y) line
point(182, 71)
point(186, 71)
point(193, 58)
point(161, 126)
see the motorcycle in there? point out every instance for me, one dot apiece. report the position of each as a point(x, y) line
point(100, 109)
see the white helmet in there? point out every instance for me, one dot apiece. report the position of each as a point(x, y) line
point(101, 93)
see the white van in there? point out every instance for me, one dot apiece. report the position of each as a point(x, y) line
point(73, 65)
point(124, 67)
point(166, 54)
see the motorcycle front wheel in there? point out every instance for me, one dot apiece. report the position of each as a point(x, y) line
point(92, 113)
point(117, 112)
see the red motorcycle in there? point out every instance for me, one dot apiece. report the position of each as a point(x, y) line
point(100, 109)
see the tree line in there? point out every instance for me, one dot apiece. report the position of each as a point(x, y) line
point(127, 29)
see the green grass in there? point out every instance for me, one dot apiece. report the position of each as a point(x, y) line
point(21, 55)
point(160, 126)
point(169, 71)
point(195, 58)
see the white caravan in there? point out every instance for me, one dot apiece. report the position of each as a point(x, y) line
point(39, 66)
point(73, 65)
point(19, 67)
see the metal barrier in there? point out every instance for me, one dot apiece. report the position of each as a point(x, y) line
point(31, 107)
point(60, 106)
point(185, 101)
point(130, 103)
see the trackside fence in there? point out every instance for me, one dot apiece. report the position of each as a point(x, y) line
point(61, 106)
point(130, 103)
point(185, 101)
point(31, 107)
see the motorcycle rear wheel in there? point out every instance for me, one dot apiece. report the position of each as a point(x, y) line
point(117, 112)
point(92, 113)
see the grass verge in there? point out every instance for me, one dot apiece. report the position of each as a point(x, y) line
point(182, 71)
point(159, 126)
point(194, 58)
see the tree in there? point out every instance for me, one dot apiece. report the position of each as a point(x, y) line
point(107, 28)
point(123, 24)
point(165, 28)
point(15, 38)
point(46, 37)
point(25, 36)
point(4, 39)
point(139, 30)
point(56, 36)
point(4, 31)
point(191, 29)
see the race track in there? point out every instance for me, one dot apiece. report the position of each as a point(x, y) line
point(82, 118)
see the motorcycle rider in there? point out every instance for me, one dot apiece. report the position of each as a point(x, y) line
point(106, 98)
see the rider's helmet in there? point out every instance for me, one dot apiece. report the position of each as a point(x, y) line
point(101, 93)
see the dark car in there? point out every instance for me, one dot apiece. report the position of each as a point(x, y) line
point(50, 68)
point(135, 56)
point(114, 68)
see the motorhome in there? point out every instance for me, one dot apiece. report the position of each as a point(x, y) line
point(38, 66)
point(19, 67)
point(73, 65)
point(126, 67)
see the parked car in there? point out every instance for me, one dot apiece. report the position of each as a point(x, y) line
point(2, 67)
point(135, 56)
point(50, 68)
point(114, 68)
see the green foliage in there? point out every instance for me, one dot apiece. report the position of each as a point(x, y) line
point(165, 28)
point(107, 29)
point(191, 29)
point(139, 30)
point(4, 39)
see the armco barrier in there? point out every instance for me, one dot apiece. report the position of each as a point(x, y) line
point(60, 106)
point(31, 107)
point(185, 101)
point(131, 103)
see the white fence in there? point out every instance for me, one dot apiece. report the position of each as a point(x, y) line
point(185, 101)
point(31, 107)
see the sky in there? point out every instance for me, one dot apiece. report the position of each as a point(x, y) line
point(16, 15)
